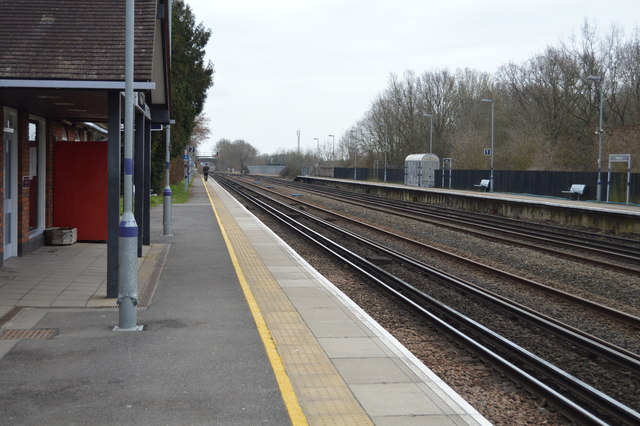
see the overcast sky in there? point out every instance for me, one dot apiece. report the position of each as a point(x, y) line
point(317, 65)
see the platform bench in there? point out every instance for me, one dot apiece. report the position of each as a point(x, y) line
point(577, 189)
point(483, 185)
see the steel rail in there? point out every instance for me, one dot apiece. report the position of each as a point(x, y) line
point(488, 234)
point(633, 320)
point(620, 248)
point(596, 346)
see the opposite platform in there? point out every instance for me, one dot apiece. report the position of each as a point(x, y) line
point(342, 366)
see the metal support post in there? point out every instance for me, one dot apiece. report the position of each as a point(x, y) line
point(600, 132)
point(138, 176)
point(146, 208)
point(491, 179)
point(608, 181)
point(600, 141)
point(492, 102)
point(166, 209)
point(113, 179)
point(386, 150)
point(629, 182)
point(186, 171)
point(128, 229)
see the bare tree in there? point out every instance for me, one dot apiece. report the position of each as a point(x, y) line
point(201, 130)
point(546, 108)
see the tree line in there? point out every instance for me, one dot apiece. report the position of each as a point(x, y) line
point(546, 110)
point(191, 77)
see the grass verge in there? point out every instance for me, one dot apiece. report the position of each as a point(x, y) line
point(178, 195)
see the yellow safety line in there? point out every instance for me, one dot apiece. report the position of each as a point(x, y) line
point(286, 388)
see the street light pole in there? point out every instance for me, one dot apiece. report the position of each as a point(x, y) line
point(128, 228)
point(333, 141)
point(492, 121)
point(600, 135)
point(430, 132)
point(355, 155)
point(386, 148)
point(317, 149)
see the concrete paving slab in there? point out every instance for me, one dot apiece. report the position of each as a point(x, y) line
point(391, 399)
point(358, 347)
point(371, 370)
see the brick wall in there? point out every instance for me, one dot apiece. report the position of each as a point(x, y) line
point(23, 170)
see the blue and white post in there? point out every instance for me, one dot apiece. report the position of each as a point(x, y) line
point(167, 219)
point(128, 229)
point(166, 205)
point(186, 171)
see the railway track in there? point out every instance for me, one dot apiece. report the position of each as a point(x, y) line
point(634, 321)
point(613, 253)
point(508, 356)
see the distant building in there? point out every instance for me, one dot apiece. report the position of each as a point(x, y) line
point(271, 170)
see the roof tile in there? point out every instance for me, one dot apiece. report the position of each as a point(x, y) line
point(73, 39)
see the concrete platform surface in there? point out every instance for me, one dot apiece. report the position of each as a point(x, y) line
point(238, 330)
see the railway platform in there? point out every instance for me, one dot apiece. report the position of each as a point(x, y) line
point(238, 330)
point(611, 218)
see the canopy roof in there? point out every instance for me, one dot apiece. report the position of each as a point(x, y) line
point(57, 54)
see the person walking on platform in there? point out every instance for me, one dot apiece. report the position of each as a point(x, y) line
point(205, 171)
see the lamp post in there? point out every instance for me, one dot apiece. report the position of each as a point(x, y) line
point(430, 132)
point(492, 120)
point(430, 148)
point(333, 141)
point(600, 133)
point(355, 155)
point(386, 148)
point(317, 149)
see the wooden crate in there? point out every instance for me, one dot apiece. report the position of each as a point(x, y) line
point(60, 236)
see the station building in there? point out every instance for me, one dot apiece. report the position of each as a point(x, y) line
point(62, 67)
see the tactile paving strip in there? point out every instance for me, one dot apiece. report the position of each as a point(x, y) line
point(39, 333)
point(324, 396)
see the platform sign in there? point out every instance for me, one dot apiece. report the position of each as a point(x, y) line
point(487, 152)
point(620, 158)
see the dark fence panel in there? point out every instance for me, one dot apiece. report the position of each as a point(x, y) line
point(347, 173)
point(393, 175)
point(544, 183)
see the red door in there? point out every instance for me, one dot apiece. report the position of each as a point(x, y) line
point(80, 188)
